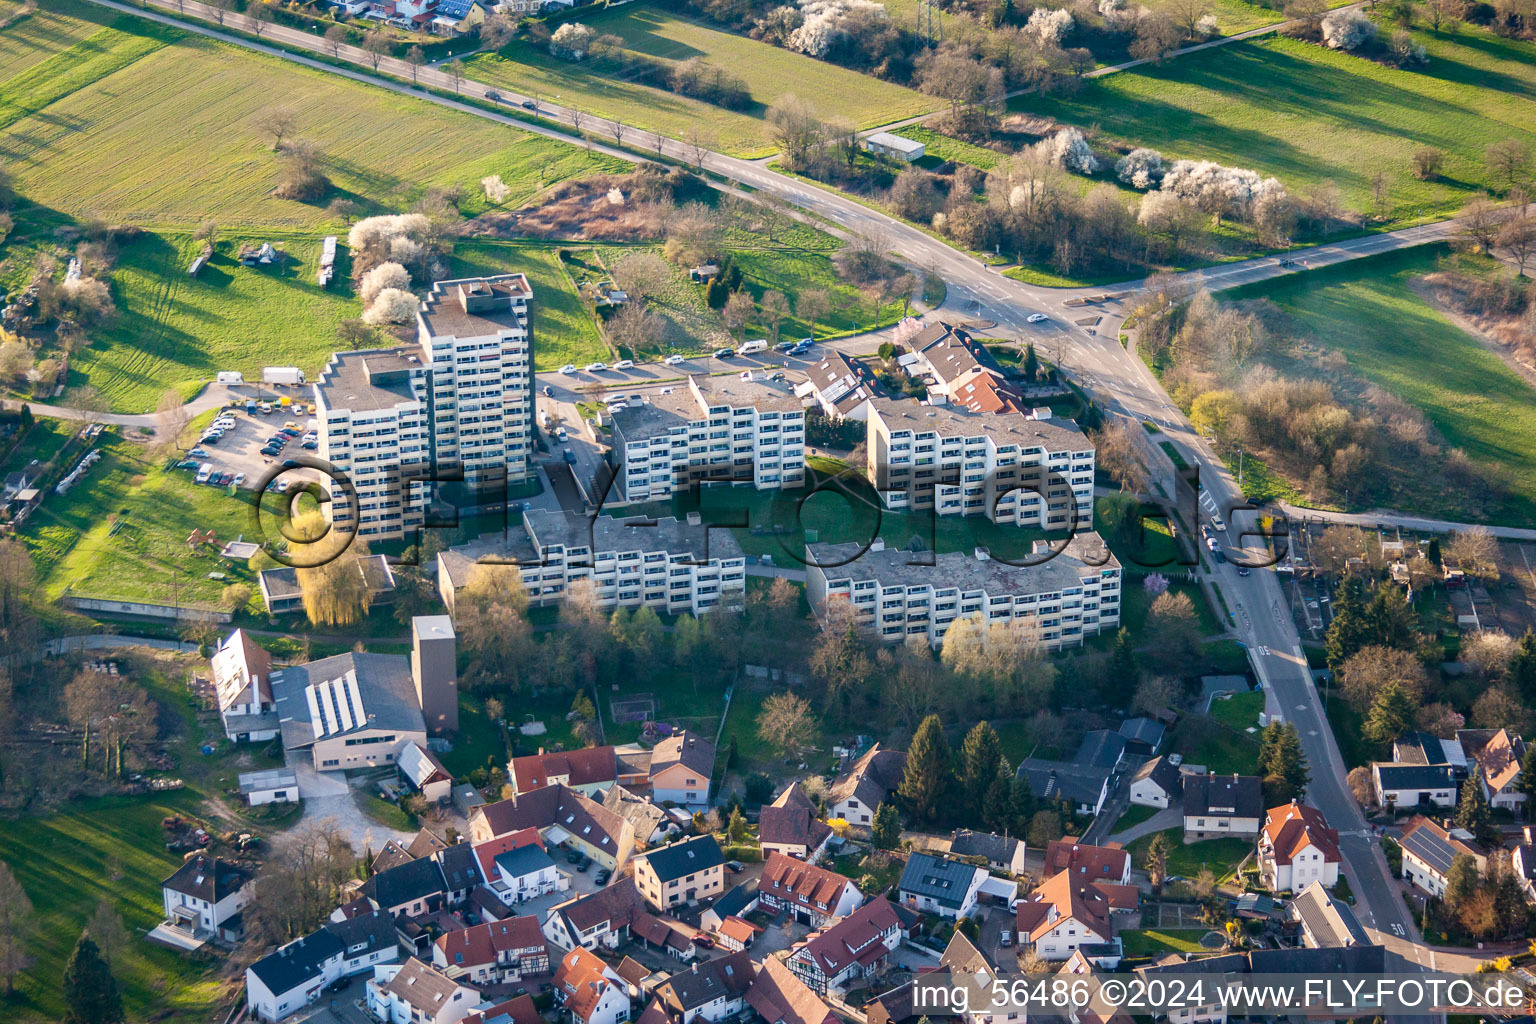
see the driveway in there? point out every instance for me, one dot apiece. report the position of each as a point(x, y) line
point(327, 795)
point(1168, 817)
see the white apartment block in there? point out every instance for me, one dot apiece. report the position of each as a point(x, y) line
point(1065, 598)
point(462, 403)
point(1006, 466)
point(672, 566)
point(715, 429)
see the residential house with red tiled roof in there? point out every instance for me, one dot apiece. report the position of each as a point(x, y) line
point(813, 895)
point(1067, 911)
point(517, 1010)
point(851, 948)
point(590, 990)
point(563, 817)
point(494, 952)
point(589, 771)
point(1498, 757)
point(241, 671)
point(1296, 848)
point(681, 767)
point(781, 998)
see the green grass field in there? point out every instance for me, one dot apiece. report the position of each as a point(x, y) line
point(1186, 860)
point(1157, 941)
point(1392, 338)
point(1305, 114)
point(86, 132)
point(37, 37)
point(769, 72)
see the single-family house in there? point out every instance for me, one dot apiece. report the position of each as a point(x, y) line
point(517, 1010)
point(849, 949)
point(1002, 853)
point(563, 817)
point(711, 990)
point(415, 993)
point(524, 873)
point(813, 895)
point(737, 901)
point(1498, 757)
point(647, 818)
point(681, 872)
point(1428, 850)
point(424, 773)
point(681, 767)
point(1143, 736)
point(972, 992)
point(779, 997)
point(939, 885)
point(1157, 783)
point(1296, 848)
point(1107, 863)
point(205, 896)
point(789, 825)
point(589, 771)
point(1405, 786)
point(241, 671)
point(598, 919)
point(294, 975)
point(1222, 805)
point(1066, 912)
point(867, 783)
point(411, 889)
point(589, 990)
point(493, 953)
point(1084, 786)
point(1324, 921)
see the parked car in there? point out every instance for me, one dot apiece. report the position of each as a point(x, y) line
point(1006, 938)
point(212, 437)
point(595, 367)
point(800, 349)
point(584, 863)
point(785, 345)
point(547, 391)
point(569, 369)
point(198, 453)
point(724, 353)
point(188, 463)
point(310, 446)
point(624, 364)
point(282, 487)
point(574, 857)
point(239, 479)
point(704, 941)
point(290, 425)
point(1243, 570)
point(570, 456)
point(290, 463)
point(270, 451)
point(674, 360)
point(601, 878)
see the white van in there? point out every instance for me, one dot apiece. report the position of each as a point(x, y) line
point(204, 472)
point(749, 347)
point(231, 377)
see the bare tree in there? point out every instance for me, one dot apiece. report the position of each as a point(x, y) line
point(17, 925)
point(335, 38)
point(698, 144)
point(775, 310)
point(278, 122)
point(738, 310)
point(786, 722)
point(300, 884)
point(220, 9)
point(1186, 15)
point(642, 274)
point(1517, 241)
point(497, 31)
point(1427, 163)
point(578, 118)
point(376, 45)
point(260, 16)
point(1476, 550)
point(454, 69)
point(1509, 159)
point(91, 403)
point(812, 305)
point(171, 419)
point(106, 929)
point(415, 58)
point(618, 132)
point(1120, 457)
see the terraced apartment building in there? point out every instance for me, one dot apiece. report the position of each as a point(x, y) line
point(1063, 598)
point(462, 403)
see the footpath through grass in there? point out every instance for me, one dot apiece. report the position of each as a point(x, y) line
point(1307, 114)
point(1367, 311)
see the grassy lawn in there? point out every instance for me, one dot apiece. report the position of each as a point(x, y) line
point(1239, 711)
point(564, 331)
point(1471, 396)
point(1221, 740)
point(1305, 113)
point(938, 148)
point(769, 72)
point(1136, 603)
point(478, 743)
point(1157, 941)
point(36, 38)
point(121, 532)
point(1185, 861)
point(1133, 816)
point(382, 811)
point(94, 138)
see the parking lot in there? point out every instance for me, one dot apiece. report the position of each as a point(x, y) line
point(237, 456)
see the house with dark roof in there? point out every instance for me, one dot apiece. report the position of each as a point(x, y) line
point(894, 1006)
point(711, 989)
point(410, 889)
point(1157, 783)
point(1143, 736)
point(813, 895)
point(294, 975)
point(1101, 748)
point(1222, 805)
point(1429, 849)
point(416, 993)
point(848, 950)
point(1413, 785)
point(461, 872)
point(206, 896)
point(563, 817)
point(1084, 786)
point(738, 901)
point(494, 952)
point(524, 873)
point(1001, 853)
point(778, 997)
point(681, 872)
point(1296, 848)
point(1109, 862)
point(647, 818)
point(589, 771)
point(1324, 921)
point(939, 885)
point(681, 768)
point(789, 825)
point(1423, 748)
point(859, 791)
point(1296, 961)
point(589, 990)
point(597, 919)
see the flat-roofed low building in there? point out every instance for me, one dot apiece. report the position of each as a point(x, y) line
point(1065, 598)
point(893, 147)
point(669, 564)
point(715, 429)
point(992, 460)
